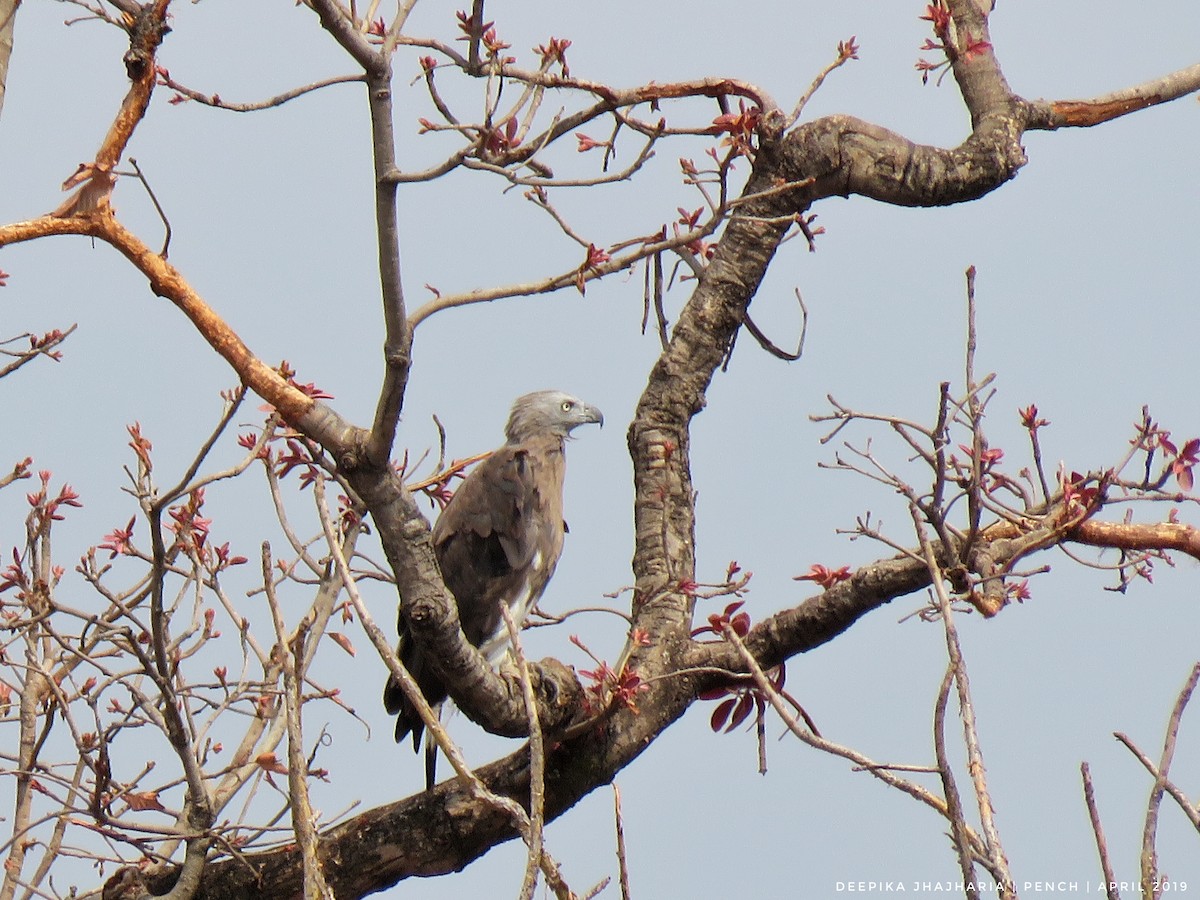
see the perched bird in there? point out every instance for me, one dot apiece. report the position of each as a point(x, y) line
point(498, 540)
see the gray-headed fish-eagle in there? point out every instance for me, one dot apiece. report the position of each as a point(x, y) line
point(498, 540)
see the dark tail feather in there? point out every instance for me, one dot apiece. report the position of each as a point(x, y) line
point(408, 722)
point(431, 755)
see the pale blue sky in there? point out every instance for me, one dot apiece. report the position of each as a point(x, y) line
point(1087, 299)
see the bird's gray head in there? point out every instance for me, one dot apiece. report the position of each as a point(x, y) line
point(548, 411)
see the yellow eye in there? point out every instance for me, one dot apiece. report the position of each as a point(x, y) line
point(566, 405)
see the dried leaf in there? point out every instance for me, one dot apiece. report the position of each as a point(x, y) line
point(143, 800)
point(270, 763)
point(342, 641)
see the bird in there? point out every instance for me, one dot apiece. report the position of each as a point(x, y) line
point(498, 539)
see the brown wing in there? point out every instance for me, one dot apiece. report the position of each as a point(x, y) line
point(498, 539)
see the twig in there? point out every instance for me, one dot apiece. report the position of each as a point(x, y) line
point(974, 421)
point(475, 35)
point(846, 52)
point(1149, 858)
point(215, 101)
point(1036, 448)
point(954, 808)
point(30, 702)
point(162, 214)
point(565, 279)
point(291, 653)
point(967, 713)
point(545, 180)
point(769, 346)
point(537, 761)
point(843, 415)
point(622, 858)
point(1179, 796)
point(182, 486)
point(161, 669)
point(300, 547)
point(44, 348)
point(882, 772)
point(1089, 797)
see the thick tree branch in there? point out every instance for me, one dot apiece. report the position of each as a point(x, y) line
point(334, 20)
point(1047, 115)
point(844, 155)
point(398, 334)
point(835, 155)
point(1137, 536)
point(976, 69)
point(817, 620)
point(820, 619)
point(664, 513)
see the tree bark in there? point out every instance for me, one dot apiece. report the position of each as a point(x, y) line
point(8, 19)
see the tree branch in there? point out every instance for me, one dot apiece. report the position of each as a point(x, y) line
point(1048, 115)
point(8, 18)
point(398, 340)
point(215, 100)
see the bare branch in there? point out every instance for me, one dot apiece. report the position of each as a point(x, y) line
point(566, 279)
point(622, 857)
point(966, 710)
point(954, 808)
point(846, 52)
point(885, 773)
point(538, 858)
point(1149, 857)
point(38, 346)
point(1110, 880)
point(215, 100)
point(303, 819)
